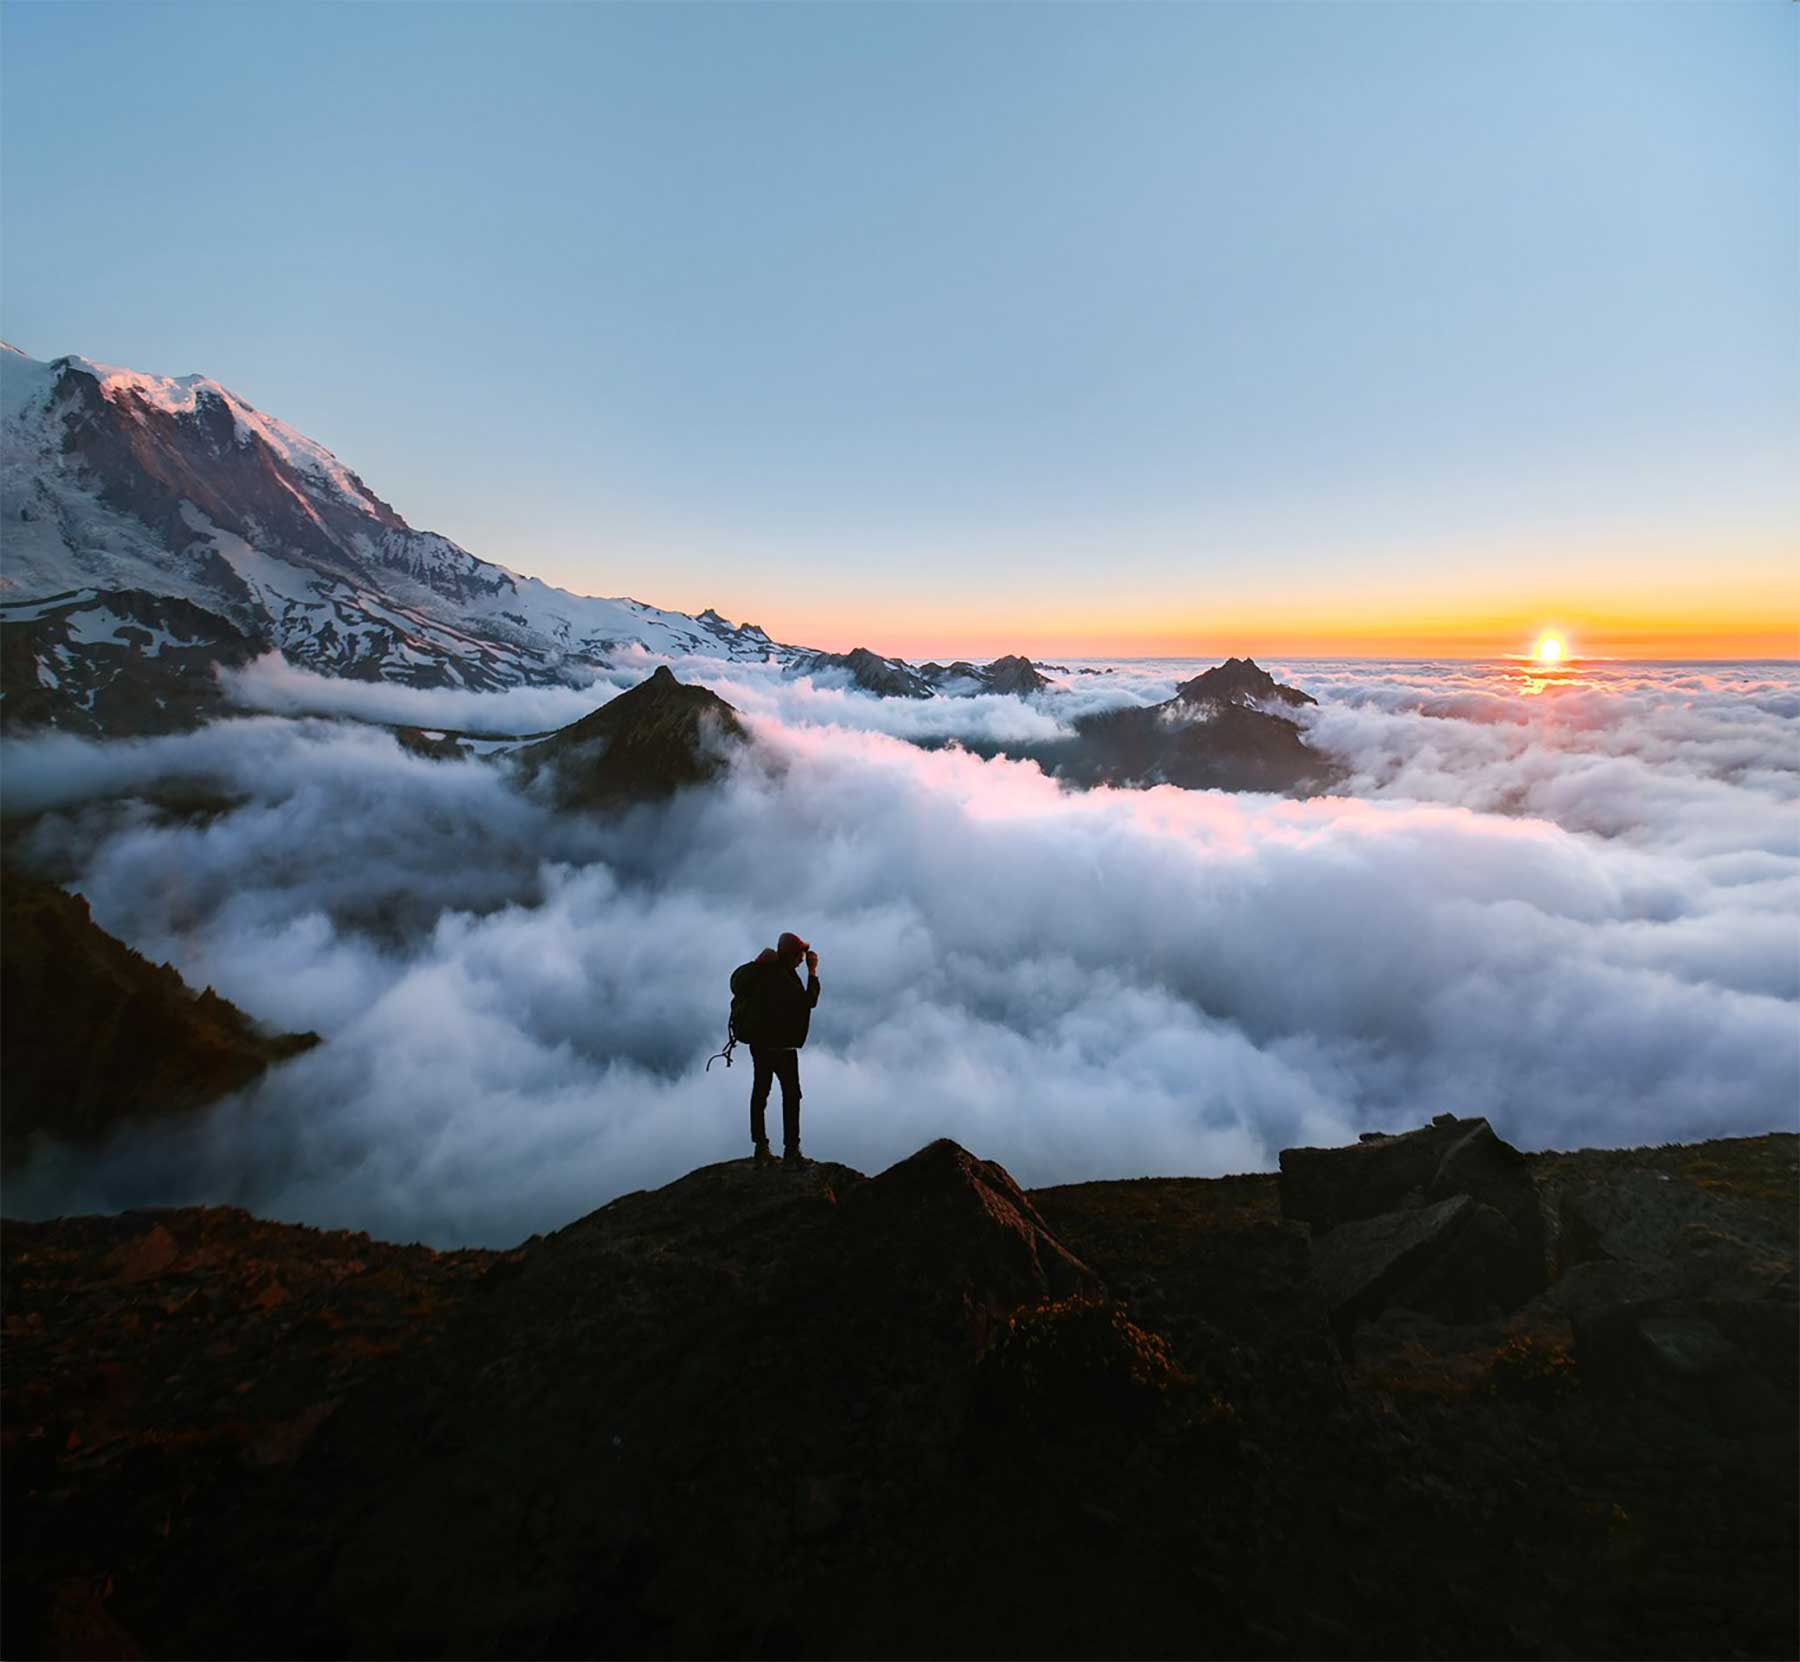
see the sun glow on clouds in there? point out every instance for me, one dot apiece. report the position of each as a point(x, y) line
point(1573, 912)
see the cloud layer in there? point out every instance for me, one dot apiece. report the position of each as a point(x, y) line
point(1572, 908)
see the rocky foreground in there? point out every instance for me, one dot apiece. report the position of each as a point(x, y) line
point(1423, 1396)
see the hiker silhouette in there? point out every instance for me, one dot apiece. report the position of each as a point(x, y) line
point(770, 1012)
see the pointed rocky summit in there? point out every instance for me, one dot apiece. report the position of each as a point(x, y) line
point(655, 738)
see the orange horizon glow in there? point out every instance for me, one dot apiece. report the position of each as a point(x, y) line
point(921, 640)
point(1721, 615)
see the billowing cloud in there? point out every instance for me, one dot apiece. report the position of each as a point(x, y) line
point(1575, 912)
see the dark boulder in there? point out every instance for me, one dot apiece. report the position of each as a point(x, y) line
point(1453, 1259)
point(1728, 1364)
point(1329, 1186)
point(952, 1236)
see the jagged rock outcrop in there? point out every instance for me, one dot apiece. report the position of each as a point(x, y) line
point(885, 677)
point(1444, 1220)
point(96, 1035)
point(976, 1247)
point(651, 740)
point(1454, 1259)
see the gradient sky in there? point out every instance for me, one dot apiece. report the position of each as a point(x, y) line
point(968, 328)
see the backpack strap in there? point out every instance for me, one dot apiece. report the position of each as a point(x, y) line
point(731, 1040)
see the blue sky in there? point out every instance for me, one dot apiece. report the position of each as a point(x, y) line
point(964, 326)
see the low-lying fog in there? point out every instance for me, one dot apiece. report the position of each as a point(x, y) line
point(1572, 905)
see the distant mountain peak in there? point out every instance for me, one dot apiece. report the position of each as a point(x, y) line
point(652, 739)
point(1240, 681)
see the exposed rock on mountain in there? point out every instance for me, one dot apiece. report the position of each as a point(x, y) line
point(96, 1035)
point(1011, 674)
point(756, 1412)
point(647, 742)
point(885, 677)
point(1444, 1220)
point(1014, 674)
point(1240, 681)
point(1212, 735)
point(121, 663)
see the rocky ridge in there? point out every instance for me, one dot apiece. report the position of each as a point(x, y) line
point(97, 1035)
point(757, 1413)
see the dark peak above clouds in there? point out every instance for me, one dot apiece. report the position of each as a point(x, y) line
point(1240, 681)
point(1010, 674)
point(651, 740)
point(1014, 674)
point(896, 678)
point(1213, 734)
point(885, 677)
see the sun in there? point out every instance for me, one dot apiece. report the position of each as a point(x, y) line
point(1550, 649)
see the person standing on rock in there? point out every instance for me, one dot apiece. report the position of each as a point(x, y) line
point(771, 1012)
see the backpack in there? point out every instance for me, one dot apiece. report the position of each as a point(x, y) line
point(746, 1006)
point(746, 1002)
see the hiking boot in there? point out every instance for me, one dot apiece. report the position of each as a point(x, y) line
point(794, 1160)
point(762, 1156)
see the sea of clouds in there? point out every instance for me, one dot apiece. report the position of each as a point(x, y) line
point(1568, 902)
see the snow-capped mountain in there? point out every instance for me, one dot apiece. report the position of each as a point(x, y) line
point(122, 492)
point(154, 529)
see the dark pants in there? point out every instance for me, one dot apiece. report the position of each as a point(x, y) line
point(768, 1066)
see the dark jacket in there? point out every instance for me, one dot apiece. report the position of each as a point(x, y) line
point(778, 1008)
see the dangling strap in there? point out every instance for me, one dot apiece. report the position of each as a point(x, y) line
point(731, 1040)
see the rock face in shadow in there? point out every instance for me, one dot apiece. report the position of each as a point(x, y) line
point(97, 1035)
point(1444, 1220)
point(808, 1413)
point(1014, 674)
point(648, 742)
point(118, 663)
